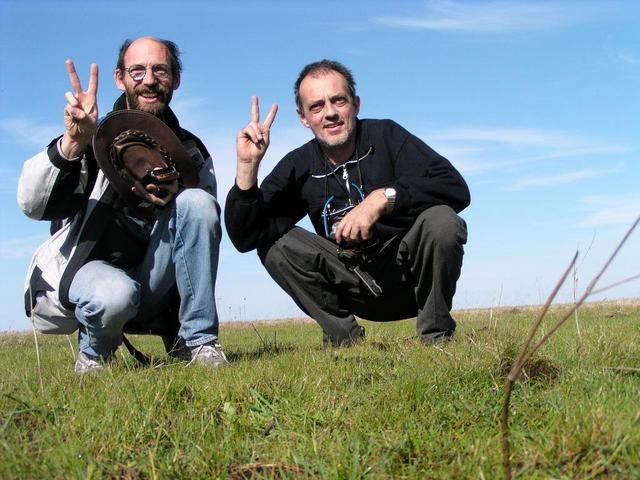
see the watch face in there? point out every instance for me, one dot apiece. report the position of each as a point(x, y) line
point(390, 192)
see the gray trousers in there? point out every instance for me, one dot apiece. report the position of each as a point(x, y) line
point(417, 272)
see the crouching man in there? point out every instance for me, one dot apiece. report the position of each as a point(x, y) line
point(132, 248)
point(388, 243)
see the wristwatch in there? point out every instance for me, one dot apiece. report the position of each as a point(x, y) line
point(390, 193)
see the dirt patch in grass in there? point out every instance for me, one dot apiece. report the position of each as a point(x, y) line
point(535, 369)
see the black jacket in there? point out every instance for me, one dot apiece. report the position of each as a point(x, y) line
point(302, 182)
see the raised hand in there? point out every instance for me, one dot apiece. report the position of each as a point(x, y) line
point(252, 143)
point(80, 113)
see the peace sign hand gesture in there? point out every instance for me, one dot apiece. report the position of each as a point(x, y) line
point(81, 112)
point(252, 143)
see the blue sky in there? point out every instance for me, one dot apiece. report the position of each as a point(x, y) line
point(536, 103)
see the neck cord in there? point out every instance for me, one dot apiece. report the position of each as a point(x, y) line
point(345, 187)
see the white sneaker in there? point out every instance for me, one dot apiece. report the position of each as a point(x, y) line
point(209, 354)
point(87, 363)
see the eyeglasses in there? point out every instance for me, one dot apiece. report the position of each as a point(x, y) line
point(160, 71)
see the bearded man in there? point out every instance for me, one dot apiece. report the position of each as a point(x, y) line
point(112, 264)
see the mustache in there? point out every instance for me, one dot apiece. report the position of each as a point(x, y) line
point(154, 90)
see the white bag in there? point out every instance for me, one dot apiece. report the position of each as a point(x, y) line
point(47, 313)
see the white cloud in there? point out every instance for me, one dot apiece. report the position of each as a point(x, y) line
point(479, 150)
point(609, 210)
point(628, 58)
point(556, 143)
point(471, 160)
point(192, 110)
point(29, 132)
point(558, 179)
point(24, 247)
point(496, 16)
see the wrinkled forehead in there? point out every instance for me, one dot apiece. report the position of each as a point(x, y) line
point(321, 83)
point(146, 51)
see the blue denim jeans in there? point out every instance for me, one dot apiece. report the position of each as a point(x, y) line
point(183, 251)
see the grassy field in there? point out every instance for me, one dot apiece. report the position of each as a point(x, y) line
point(287, 408)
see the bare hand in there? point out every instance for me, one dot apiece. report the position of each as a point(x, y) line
point(81, 112)
point(357, 225)
point(148, 192)
point(252, 143)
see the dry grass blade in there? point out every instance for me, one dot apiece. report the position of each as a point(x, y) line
point(527, 352)
point(575, 286)
point(590, 289)
point(73, 352)
point(616, 284)
point(516, 368)
point(522, 357)
point(35, 341)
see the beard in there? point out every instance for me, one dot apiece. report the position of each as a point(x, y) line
point(163, 96)
point(335, 144)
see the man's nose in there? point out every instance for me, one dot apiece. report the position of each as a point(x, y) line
point(330, 111)
point(149, 78)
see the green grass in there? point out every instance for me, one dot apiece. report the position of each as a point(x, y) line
point(287, 408)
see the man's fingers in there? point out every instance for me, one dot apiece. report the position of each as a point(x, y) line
point(271, 116)
point(73, 76)
point(76, 113)
point(138, 189)
point(93, 79)
point(339, 233)
point(255, 110)
point(71, 99)
point(252, 132)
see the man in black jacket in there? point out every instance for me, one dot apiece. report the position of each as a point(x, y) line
point(388, 242)
point(113, 266)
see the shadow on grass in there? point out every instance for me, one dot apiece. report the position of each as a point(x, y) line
point(263, 350)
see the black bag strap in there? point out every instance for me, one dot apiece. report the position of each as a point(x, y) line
point(135, 353)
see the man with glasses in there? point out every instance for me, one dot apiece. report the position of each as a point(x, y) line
point(388, 243)
point(148, 268)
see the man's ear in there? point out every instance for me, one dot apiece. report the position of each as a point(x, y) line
point(356, 104)
point(176, 82)
point(117, 78)
point(302, 118)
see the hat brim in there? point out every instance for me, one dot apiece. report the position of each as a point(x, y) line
point(121, 120)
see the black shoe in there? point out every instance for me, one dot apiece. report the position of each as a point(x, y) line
point(327, 341)
point(437, 337)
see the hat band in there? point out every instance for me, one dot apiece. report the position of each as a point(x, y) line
point(129, 138)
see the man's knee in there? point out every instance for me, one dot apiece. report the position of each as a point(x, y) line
point(296, 246)
point(111, 304)
point(196, 205)
point(442, 227)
